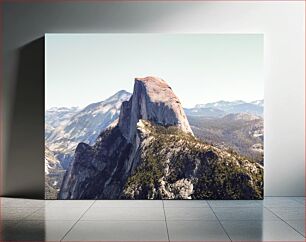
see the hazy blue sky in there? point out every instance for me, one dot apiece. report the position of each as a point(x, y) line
point(86, 68)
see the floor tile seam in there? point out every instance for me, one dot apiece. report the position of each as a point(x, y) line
point(50, 220)
point(237, 220)
point(165, 217)
point(284, 207)
point(220, 223)
point(214, 208)
point(187, 207)
point(286, 223)
point(48, 207)
point(73, 225)
point(236, 207)
point(87, 206)
point(169, 220)
point(283, 196)
point(116, 220)
point(125, 207)
point(197, 220)
point(51, 202)
point(2, 207)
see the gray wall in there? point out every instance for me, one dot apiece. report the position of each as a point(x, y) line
point(23, 68)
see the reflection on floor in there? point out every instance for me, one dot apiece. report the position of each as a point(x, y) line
point(274, 219)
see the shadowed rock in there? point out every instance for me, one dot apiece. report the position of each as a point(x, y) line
point(152, 100)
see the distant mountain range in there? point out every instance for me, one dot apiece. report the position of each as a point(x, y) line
point(224, 124)
point(240, 132)
point(222, 108)
point(66, 127)
point(55, 117)
point(152, 153)
point(77, 126)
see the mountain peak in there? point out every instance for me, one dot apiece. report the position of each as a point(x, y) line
point(241, 116)
point(122, 94)
point(152, 100)
point(152, 80)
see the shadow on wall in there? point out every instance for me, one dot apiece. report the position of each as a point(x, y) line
point(30, 230)
point(25, 158)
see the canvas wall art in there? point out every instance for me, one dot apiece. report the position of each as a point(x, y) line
point(154, 116)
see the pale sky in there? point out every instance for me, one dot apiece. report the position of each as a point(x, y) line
point(85, 68)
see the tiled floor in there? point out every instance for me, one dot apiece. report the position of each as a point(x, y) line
point(274, 219)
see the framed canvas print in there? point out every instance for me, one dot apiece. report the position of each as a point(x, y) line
point(154, 116)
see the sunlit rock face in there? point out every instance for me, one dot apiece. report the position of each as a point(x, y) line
point(152, 100)
point(151, 153)
point(100, 171)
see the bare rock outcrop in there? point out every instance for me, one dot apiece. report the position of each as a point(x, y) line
point(152, 100)
point(152, 154)
point(101, 170)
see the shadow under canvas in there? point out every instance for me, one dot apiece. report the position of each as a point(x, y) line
point(26, 134)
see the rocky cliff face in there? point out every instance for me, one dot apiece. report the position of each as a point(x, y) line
point(175, 165)
point(99, 171)
point(115, 155)
point(152, 100)
point(151, 153)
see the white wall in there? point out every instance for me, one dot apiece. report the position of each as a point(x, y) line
point(282, 23)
